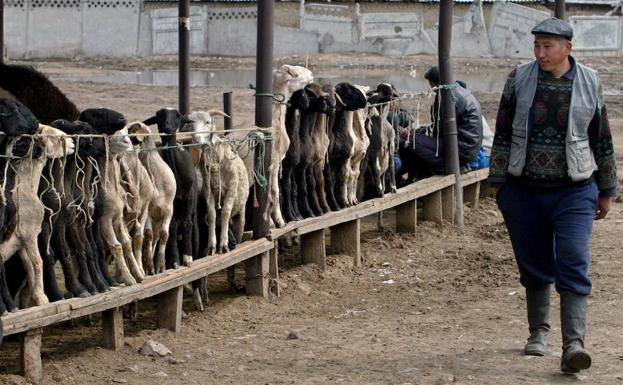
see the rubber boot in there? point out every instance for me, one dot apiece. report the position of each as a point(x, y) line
point(538, 320)
point(573, 326)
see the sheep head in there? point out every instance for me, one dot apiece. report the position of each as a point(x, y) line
point(56, 143)
point(293, 78)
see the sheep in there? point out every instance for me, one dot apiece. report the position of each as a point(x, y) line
point(139, 189)
point(30, 212)
point(161, 206)
point(305, 181)
point(286, 80)
point(361, 142)
point(320, 144)
point(109, 203)
point(185, 204)
point(36, 91)
point(299, 102)
point(15, 119)
point(349, 99)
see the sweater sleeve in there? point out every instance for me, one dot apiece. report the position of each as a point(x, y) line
point(500, 151)
point(600, 139)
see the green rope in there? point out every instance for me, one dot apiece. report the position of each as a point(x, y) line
point(449, 87)
point(278, 97)
point(260, 138)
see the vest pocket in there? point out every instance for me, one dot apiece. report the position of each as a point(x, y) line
point(583, 154)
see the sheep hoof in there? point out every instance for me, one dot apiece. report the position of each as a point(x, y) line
point(40, 299)
point(187, 260)
point(197, 300)
point(84, 294)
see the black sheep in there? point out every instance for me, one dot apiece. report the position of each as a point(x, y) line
point(299, 102)
point(183, 224)
point(36, 91)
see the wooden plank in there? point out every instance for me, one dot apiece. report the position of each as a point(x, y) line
point(474, 176)
point(346, 239)
point(30, 356)
point(112, 322)
point(432, 207)
point(50, 314)
point(406, 217)
point(313, 249)
point(471, 194)
point(273, 270)
point(373, 206)
point(170, 309)
point(448, 205)
point(257, 275)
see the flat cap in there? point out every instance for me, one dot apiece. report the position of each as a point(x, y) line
point(554, 27)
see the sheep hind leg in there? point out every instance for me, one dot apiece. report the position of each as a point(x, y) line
point(7, 299)
point(34, 267)
point(148, 257)
point(128, 253)
point(197, 300)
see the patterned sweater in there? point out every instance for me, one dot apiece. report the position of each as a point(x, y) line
point(546, 162)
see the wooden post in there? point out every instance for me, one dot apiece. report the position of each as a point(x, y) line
point(346, 239)
point(406, 217)
point(471, 194)
point(30, 355)
point(257, 275)
point(273, 284)
point(432, 207)
point(170, 309)
point(313, 248)
point(379, 222)
point(448, 204)
point(112, 322)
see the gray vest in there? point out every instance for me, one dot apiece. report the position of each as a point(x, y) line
point(585, 99)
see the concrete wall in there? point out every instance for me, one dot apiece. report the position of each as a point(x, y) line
point(597, 35)
point(66, 28)
point(509, 31)
point(123, 28)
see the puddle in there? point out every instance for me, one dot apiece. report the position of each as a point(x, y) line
point(487, 83)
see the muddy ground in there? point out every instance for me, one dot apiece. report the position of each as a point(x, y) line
point(443, 306)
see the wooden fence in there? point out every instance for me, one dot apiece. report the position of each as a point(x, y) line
point(260, 257)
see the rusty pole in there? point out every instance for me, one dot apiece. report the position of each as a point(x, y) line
point(227, 103)
point(448, 114)
point(184, 56)
point(263, 110)
point(559, 12)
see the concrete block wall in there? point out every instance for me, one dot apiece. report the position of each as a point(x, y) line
point(66, 28)
point(597, 35)
point(509, 31)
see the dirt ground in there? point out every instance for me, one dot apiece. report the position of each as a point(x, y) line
point(443, 306)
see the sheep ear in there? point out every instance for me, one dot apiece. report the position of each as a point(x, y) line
point(217, 113)
point(151, 121)
point(139, 130)
point(339, 100)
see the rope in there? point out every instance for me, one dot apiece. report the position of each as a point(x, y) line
point(260, 139)
point(278, 97)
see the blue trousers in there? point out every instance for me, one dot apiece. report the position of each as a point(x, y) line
point(550, 233)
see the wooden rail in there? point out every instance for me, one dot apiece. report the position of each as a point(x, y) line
point(260, 256)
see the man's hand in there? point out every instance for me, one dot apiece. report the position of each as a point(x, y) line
point(603, 206)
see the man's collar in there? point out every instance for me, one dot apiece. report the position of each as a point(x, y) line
point(569, 75)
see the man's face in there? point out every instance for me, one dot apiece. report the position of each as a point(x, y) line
point(551, 51)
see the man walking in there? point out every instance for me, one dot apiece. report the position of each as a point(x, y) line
point(553, 159)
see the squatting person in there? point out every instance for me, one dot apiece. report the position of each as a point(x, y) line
point(422, 153)
point(553, 161)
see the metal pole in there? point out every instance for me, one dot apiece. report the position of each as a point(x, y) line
point(229, 119)
point(263, 108)
point(184, 55)
point(448, 114)
point(560, 9)
point(1, 31)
